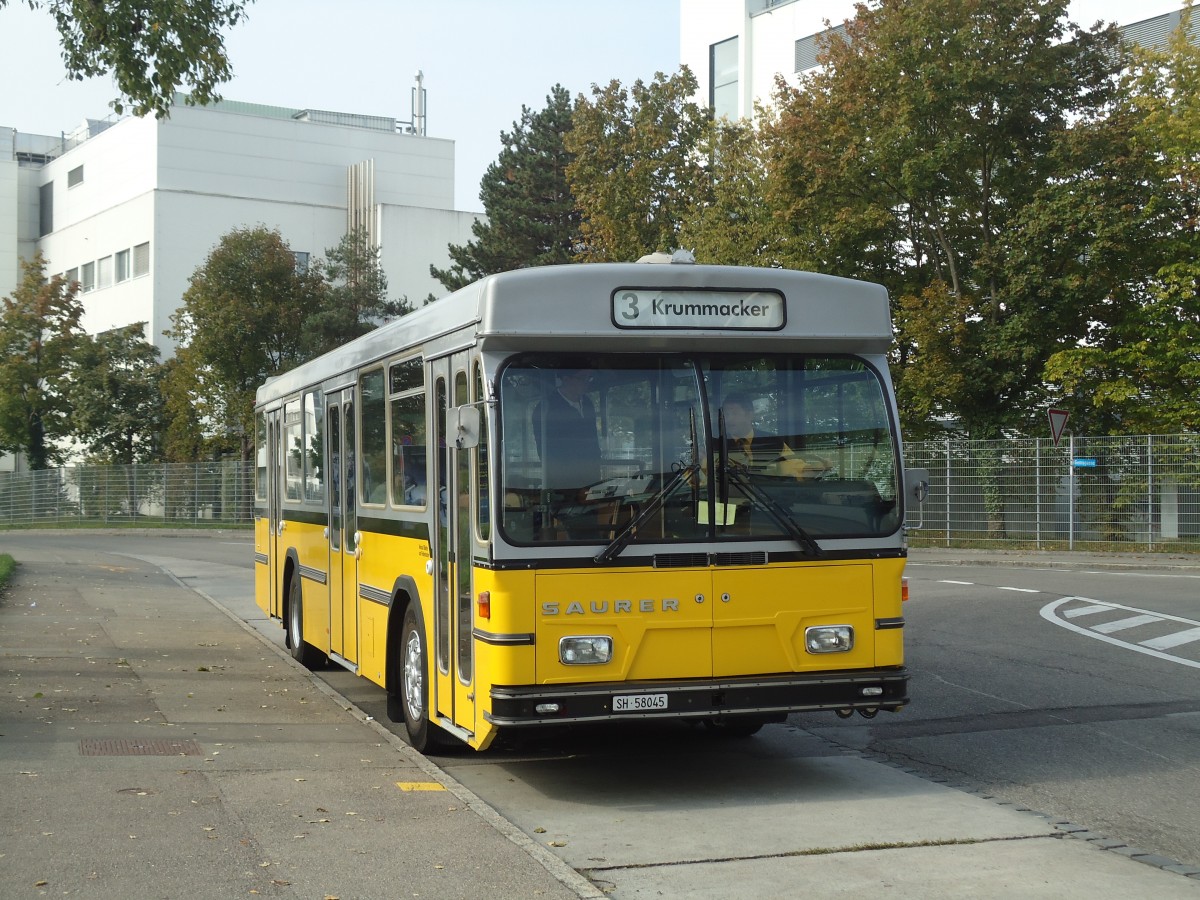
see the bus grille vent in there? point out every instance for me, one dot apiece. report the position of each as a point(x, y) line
point(680, 560)
point(749, 558)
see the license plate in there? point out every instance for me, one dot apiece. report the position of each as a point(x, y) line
point(638, 702)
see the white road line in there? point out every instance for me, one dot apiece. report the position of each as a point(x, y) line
point(1167, 641)
point(1048, 612)
point(1122, 624)
point(967, 583)
point(1087, 610)
point(1019, 590)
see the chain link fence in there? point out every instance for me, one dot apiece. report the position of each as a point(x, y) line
point(1087, 493)
point(1102, 493)
point(208, 493)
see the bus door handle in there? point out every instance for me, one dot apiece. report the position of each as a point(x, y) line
point(358, 545)
point(279, 528)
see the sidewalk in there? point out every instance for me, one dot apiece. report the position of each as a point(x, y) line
point(154, 745)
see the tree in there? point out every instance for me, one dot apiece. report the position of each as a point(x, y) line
point(118, 409)
point(150, 47)
point(729, 220)
point(40, 337)
point(636, 165)
point(926, 154)
point(242, 320)
point(532, 219)
point(1139, 369)
point(354, 297)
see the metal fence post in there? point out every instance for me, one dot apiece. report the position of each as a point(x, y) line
point(1071, 493)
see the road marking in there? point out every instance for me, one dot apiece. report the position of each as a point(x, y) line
point(1019, 590)
point(1151, 647)
point(408, 786)
point(1166, 642)
point(1122, 624)
point(1087, 611)
point(967, 583)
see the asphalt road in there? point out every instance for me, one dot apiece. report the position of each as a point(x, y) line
point(1070, 690)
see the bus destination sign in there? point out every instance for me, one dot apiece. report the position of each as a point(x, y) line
point(720, 310)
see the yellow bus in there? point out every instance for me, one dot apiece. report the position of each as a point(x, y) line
point(597, 493)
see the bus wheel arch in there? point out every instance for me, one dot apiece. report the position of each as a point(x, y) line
point(293, 616)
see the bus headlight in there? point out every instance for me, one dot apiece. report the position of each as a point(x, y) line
point(585, 650)
point(829, 638)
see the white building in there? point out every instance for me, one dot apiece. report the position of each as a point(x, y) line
point(735, 48)
point(131, 208)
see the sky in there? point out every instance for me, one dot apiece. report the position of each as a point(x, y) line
point(482, 60)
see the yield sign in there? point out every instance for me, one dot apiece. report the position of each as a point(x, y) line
point(1058, 422)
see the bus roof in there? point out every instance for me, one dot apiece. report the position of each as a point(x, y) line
point(575, 307)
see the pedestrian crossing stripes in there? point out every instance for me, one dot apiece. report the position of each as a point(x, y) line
point(1111, 623)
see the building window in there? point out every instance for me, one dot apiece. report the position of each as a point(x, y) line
point(87, 279)
point(75, 176)
point(71, 276)
point(301, 258)
point(807, 47)
point(104, 272)
point(141, 259)
point(723, 67)
point(46, 209)
point(121, 267)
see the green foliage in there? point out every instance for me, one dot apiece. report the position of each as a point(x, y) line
point(242, 321)
point(636, 168)
point(1140, 368)
point(532, 218)
point(353, 297)
point(7, 566)
point(117, 405)
point(729, 221)
point(926, 155)
point(40, 338)
point(150, 47)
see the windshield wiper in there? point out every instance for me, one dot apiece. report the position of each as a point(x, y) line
point(621, 541)
point(782, 517)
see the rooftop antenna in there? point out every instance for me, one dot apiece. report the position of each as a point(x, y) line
point(418, 105)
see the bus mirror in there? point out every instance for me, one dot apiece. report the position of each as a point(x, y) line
point(462, 424)
point(916, 485)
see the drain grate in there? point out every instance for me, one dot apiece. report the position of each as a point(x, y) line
point(135, 747)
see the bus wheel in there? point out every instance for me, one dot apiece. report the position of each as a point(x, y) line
point(413, 689)
point(735, 726)
point(304, 653)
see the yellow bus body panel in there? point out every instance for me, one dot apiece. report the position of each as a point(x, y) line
point(262, 566)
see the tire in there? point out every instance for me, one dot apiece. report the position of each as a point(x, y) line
point(303, 652)
point(413, 661)
point(735, 726)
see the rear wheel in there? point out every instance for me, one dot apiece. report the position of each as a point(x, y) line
point(304, 653)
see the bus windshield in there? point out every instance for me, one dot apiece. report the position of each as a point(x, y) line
point(695, 447)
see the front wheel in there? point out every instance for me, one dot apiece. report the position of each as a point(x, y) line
point(304, 653)
point(414, 691)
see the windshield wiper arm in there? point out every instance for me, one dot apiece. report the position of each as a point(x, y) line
point(778, 513)
point(621, 541)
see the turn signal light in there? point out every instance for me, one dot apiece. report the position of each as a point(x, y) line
point(903, 589)
point(484, 605)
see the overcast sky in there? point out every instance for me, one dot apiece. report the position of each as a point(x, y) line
point(482, 60)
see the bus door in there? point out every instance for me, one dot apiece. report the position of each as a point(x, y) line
point(343, 563)
point(453, 642)
point(275, 477)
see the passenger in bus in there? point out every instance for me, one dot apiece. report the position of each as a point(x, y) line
point(564, 430)
point(764, 453)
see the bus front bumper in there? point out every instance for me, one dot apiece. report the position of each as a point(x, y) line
point(765, 695)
